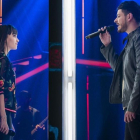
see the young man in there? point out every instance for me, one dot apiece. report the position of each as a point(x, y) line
point(26, 119)
point(125, 87)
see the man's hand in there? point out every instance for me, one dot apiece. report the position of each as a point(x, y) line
point(39, 126)
point(129, 116)
point(3, 125)
point(105, 37)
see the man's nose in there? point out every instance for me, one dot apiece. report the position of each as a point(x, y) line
point(115, 20)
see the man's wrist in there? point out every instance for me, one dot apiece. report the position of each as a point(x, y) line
point(107, 44)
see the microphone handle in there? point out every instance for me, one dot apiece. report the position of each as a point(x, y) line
point(109, 28)
point(11, 132)
point(95, 34)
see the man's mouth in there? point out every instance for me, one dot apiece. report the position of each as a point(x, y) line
point(118, 26)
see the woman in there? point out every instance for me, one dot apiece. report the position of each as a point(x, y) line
point(8, 41)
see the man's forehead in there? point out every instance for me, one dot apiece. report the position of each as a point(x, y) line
point(119, 11)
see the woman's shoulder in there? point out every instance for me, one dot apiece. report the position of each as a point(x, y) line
point(3, 57)
point(4, 60)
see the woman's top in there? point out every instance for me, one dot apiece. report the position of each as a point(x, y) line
point(7, 83)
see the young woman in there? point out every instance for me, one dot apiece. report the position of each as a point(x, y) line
point(8, 41)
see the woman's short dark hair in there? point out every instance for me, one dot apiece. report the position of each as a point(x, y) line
point(4, 31)
point(130, 7)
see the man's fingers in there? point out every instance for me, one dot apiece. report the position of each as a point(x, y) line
point(129, 117)
point(125, 118)
point(133, 116)
point(102, 29)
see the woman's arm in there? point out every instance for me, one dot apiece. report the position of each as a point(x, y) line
point(3, 119)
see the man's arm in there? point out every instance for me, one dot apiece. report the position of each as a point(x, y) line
point(107, 49)
point(134, 102)
point(110, 55)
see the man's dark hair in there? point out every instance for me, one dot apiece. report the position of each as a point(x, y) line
point(25, 94)
point(130, 7)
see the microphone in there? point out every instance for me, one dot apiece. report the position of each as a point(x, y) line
point(11, 133)
point(108, 28)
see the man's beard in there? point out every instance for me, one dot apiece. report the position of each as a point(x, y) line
point(123, 28)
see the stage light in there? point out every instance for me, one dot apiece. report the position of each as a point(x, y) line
point(25, 63)
point(93, 63)
point(68, 69)
point(0, 12)
point(31, 73)
point(37, 57)
point(0, 8)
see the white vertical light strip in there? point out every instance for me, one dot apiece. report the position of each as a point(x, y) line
point(68, 71)
point(69, 111)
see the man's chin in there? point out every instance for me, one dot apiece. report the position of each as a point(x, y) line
point(120, 31)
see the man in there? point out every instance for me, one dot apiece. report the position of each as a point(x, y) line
point(125, 87)
point(26, 119)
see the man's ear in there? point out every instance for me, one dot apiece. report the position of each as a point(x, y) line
point(129, 16)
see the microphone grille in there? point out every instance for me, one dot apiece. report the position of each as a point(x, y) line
point(110, 28)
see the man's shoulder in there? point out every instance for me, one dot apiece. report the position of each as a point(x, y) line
point(34, 110)
point(137, 32)
point(136, 35)
point(31, 109)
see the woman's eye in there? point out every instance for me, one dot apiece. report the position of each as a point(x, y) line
point(14, 35)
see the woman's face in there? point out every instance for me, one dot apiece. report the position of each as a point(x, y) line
point(11, 42)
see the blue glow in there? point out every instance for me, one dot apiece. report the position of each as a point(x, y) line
point(31, 19)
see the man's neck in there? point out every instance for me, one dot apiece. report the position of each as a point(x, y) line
point(25, 107)
point(132, 27)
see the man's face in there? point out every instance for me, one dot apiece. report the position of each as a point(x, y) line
point(25, 101)
point(121, 21)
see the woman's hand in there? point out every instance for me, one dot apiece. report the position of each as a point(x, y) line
point(3, 125)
